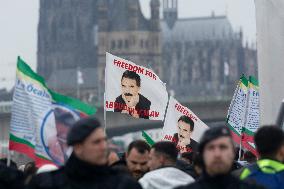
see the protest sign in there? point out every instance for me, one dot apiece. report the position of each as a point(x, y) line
point(237, 110)
point(182, 127)
point(252, 116)
point(133, 89)
point(41, 118)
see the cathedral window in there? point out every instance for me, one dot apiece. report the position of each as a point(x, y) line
point(113, 44)
point(141, 43)
point(147, 44)
point(119, 44)
point(126, 44)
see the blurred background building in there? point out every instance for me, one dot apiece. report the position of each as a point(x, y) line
point(196, 57)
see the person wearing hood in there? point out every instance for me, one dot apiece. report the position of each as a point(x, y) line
point(163, 173)
point(216, 148)
point(268, 171)
point(87, 166)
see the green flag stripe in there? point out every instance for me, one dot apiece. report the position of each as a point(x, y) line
point(245, 130)
point(73, 102)
point(253, 80)
point(233, 129)
point(244, 80)
point(148, 139)
point(25, 69)
point(20, 140)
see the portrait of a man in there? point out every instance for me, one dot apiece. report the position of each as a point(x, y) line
point(137, 105)
point(183, 138)
point(57, 145)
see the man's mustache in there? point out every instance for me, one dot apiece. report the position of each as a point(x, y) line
point(128, 94)
point(138, 172)
point(181, 136)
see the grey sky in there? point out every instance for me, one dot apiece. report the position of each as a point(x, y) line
point(19, 18)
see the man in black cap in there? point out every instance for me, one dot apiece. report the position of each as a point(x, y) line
point(217, 152)
point(87, 166)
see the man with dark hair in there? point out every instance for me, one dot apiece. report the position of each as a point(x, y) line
point(188, 157)
point(137, 157)
point(216, 148)
point(131, 101)
point(57, 145)
point(182, 139)
point(87, 166)
point(163, 172)
point(269, 170)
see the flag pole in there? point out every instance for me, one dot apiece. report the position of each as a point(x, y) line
point(104, 103)
point(78, 84)
point(105, 109)
point(8, 158)
point(245, 119)
point(240, 150)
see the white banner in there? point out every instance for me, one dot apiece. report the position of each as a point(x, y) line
point(237, 109)
point(270, 56)
point(41, 118)
point(182, 126)
point(134, 90)
point(252, 119)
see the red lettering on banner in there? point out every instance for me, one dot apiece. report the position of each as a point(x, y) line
point(110, 105)
point(141, 112)
point(168, 137)
point(131, 111)
point(184, 148)
point(117, 63)
point(185, 112)
point(122, 64)
point(157, 114)
point(151, 74)
point(134, 68)
point(128, 66)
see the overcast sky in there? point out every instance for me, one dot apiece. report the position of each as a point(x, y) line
point(19, 19)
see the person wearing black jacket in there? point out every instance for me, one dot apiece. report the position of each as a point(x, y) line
point(10, 177)
point(87, 166)
point(217, 152)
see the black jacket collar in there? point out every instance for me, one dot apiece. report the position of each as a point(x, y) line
point(79, 169)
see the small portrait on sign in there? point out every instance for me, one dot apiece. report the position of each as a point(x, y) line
point(183, 140)
point(138, 105)
point(54, 130)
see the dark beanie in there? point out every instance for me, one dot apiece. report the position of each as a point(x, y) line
point(81, 130)
point(212, 134)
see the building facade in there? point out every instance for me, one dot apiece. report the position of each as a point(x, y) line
point(194, 56)
point(203, 56)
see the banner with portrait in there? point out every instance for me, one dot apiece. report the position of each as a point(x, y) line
point(134, 90)
point(182, 127)
point(41, 118)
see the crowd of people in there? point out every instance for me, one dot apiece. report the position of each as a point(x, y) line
point(216, 163)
